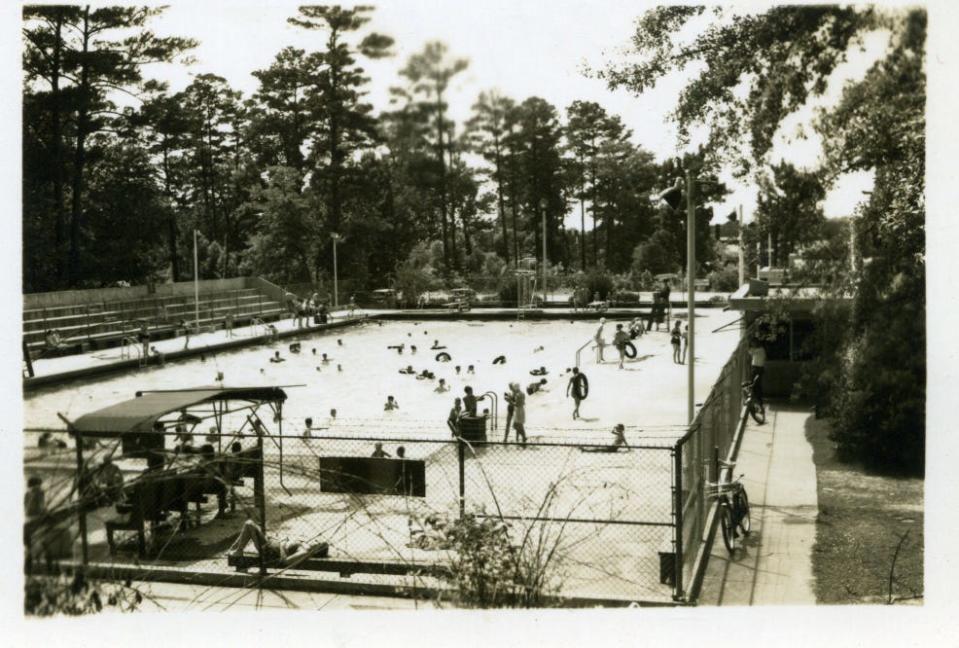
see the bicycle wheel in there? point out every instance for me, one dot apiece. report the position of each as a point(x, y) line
point(742, 504)
point(726, 522)
point(758, 412)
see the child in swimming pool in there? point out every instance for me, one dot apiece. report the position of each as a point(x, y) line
point(390, 404)
point(276, 357)
point(442, 386)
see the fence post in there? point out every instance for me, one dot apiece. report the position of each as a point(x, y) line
point(461, 456)
point(678, 504)
point(81, 505)
point(258, 493)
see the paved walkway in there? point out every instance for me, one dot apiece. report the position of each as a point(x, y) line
point(775, 566)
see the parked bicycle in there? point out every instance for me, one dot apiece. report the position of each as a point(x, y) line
point(754, 406)
point(733, 508)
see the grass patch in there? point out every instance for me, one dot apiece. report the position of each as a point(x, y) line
point(863, 518)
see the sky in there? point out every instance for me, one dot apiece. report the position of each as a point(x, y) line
point(522, 48)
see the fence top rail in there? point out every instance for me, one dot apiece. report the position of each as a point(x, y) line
point(669, 443)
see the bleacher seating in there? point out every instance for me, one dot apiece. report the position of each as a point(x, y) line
point(106, 323)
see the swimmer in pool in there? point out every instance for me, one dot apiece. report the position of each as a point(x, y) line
point(409, 371)
point(340, 342)
point(314, 351)
point(457, 370)
point(436, 346)
point(538, 372)
point(276, 357)
point(339, 367)
point(442, 387)
point(470, 370)
point(390, 404)
point(325, 360)
point(412, 348)
point(532, 388)
point(308, 428)
point(537, 349)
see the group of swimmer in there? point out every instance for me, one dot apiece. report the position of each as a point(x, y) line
point(295, 349)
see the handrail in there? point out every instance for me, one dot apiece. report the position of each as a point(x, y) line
point(495, 408)
point(580, 349)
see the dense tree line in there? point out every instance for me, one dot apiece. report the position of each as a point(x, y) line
point(119, 171)
point(753, 71)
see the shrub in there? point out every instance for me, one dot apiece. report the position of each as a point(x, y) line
point(724, 280)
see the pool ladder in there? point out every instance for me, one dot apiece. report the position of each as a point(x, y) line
point(129, 345)
point(494, 410)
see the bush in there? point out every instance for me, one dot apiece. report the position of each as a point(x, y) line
point(725, 280)
point(596, 282)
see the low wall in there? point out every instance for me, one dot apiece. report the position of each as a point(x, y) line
point(96, 295)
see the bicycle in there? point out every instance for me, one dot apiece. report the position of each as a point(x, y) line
point(754, 408)
point(733, 508)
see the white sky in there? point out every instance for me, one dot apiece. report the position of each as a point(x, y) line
point(522, 48)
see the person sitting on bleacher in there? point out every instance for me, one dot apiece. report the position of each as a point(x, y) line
point(53, 341)
point(282, 552)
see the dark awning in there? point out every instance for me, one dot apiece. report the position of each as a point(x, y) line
point(140, 413)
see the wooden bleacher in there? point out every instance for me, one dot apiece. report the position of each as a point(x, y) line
point(106, 323)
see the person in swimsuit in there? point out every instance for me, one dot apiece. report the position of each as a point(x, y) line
point(442, 386)
point(532, 388)
point(390, 404)
point(276, 357)
point(453, 420)
point(685, 342)
point(577, 389)
point(274, 550)
point(620, 339)
point(379, 452)
point(675, 339)
point(470, 401)
point(519, 412)
point(600, 340)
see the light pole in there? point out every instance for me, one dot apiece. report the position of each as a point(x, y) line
point(691, 293)
point(742, 253)
point(196, 285)
point(336, 293)
point(542, 204)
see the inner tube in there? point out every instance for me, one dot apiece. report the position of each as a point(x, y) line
point(585, 387)
point(443, 356)
point(499, 360)
point(629, 350)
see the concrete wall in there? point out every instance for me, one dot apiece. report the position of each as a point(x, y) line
point(81, 297)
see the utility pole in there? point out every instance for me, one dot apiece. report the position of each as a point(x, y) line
point(196, 286)
point(742, 253)
point(336, 292)
point(691, 293)
point(543, 205)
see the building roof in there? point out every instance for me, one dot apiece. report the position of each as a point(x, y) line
point(755, 293)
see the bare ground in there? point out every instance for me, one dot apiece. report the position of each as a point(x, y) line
point(862, 520)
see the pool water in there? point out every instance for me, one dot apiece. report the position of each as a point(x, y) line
point(649, 394)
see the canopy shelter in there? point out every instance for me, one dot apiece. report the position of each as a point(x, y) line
point(141, 414)
point(142, 423)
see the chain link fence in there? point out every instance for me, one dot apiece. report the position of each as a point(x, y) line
point(711, 436)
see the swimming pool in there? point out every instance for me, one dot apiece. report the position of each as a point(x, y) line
point(648, 395)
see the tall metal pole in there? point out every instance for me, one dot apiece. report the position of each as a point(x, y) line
point(691, 293)
point(336, 292)
point(544, 255)
point(742, 253)
point(196, 285)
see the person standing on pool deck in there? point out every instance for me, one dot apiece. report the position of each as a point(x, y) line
point(600, 340)
point(469, 401)
point(757, 362)
point(675, 340)
point(619, 341)
point(519, 412)
point(510, 410)
point(576, 388)
point(685, 337)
